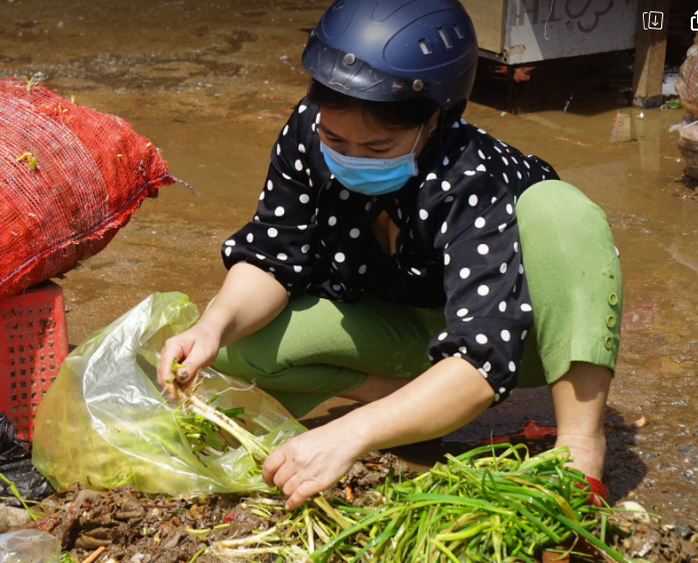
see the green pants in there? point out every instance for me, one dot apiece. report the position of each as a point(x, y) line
point(316, 348)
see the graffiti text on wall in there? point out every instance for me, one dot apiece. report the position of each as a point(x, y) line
point(585, 15)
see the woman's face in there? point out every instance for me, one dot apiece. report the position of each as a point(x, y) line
point(351, 134)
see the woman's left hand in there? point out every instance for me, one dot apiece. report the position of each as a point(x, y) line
point(311, 462)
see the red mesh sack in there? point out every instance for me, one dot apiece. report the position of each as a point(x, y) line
point(70, 178)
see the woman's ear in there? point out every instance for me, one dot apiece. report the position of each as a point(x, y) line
point(433, 123)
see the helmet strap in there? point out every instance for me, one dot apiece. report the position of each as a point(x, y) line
point(446, 119)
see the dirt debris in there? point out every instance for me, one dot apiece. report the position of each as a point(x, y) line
point(139, 528)
point(368, 472)
point(655, 542)
point(372, 469)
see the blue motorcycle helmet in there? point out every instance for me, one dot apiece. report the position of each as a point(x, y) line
point(395, 50)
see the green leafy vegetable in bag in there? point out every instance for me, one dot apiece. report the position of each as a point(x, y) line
point(105, 423)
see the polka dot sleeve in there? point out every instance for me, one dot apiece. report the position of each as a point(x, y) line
point(280, 238)
point(487, 308)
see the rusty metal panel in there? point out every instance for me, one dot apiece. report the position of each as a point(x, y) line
point(537, 30)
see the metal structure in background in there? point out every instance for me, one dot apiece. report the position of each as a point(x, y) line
point(520, 32)
point(527, 31)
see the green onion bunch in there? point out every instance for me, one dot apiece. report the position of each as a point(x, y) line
point(491, 504)
point(478, 507)
point(202, 434)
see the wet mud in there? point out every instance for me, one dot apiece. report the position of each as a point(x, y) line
point(212, 82)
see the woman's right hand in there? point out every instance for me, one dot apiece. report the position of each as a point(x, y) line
point(248, 301)
point(195, 348)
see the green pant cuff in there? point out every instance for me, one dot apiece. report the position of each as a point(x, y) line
point(597, 350)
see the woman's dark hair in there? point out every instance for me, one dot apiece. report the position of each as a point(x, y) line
point(404, 114)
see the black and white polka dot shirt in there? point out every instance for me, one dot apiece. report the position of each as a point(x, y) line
point(458, 245)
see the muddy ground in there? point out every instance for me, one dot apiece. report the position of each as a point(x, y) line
point(212, 82)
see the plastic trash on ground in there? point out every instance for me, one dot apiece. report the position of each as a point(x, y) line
point(104, 422)
point(16, 467)
point(13, 518)
point(688, 142)
point(29, 546)
point(687, 82)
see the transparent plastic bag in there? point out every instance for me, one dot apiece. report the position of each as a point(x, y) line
point(29, 546)
point(104, 422)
